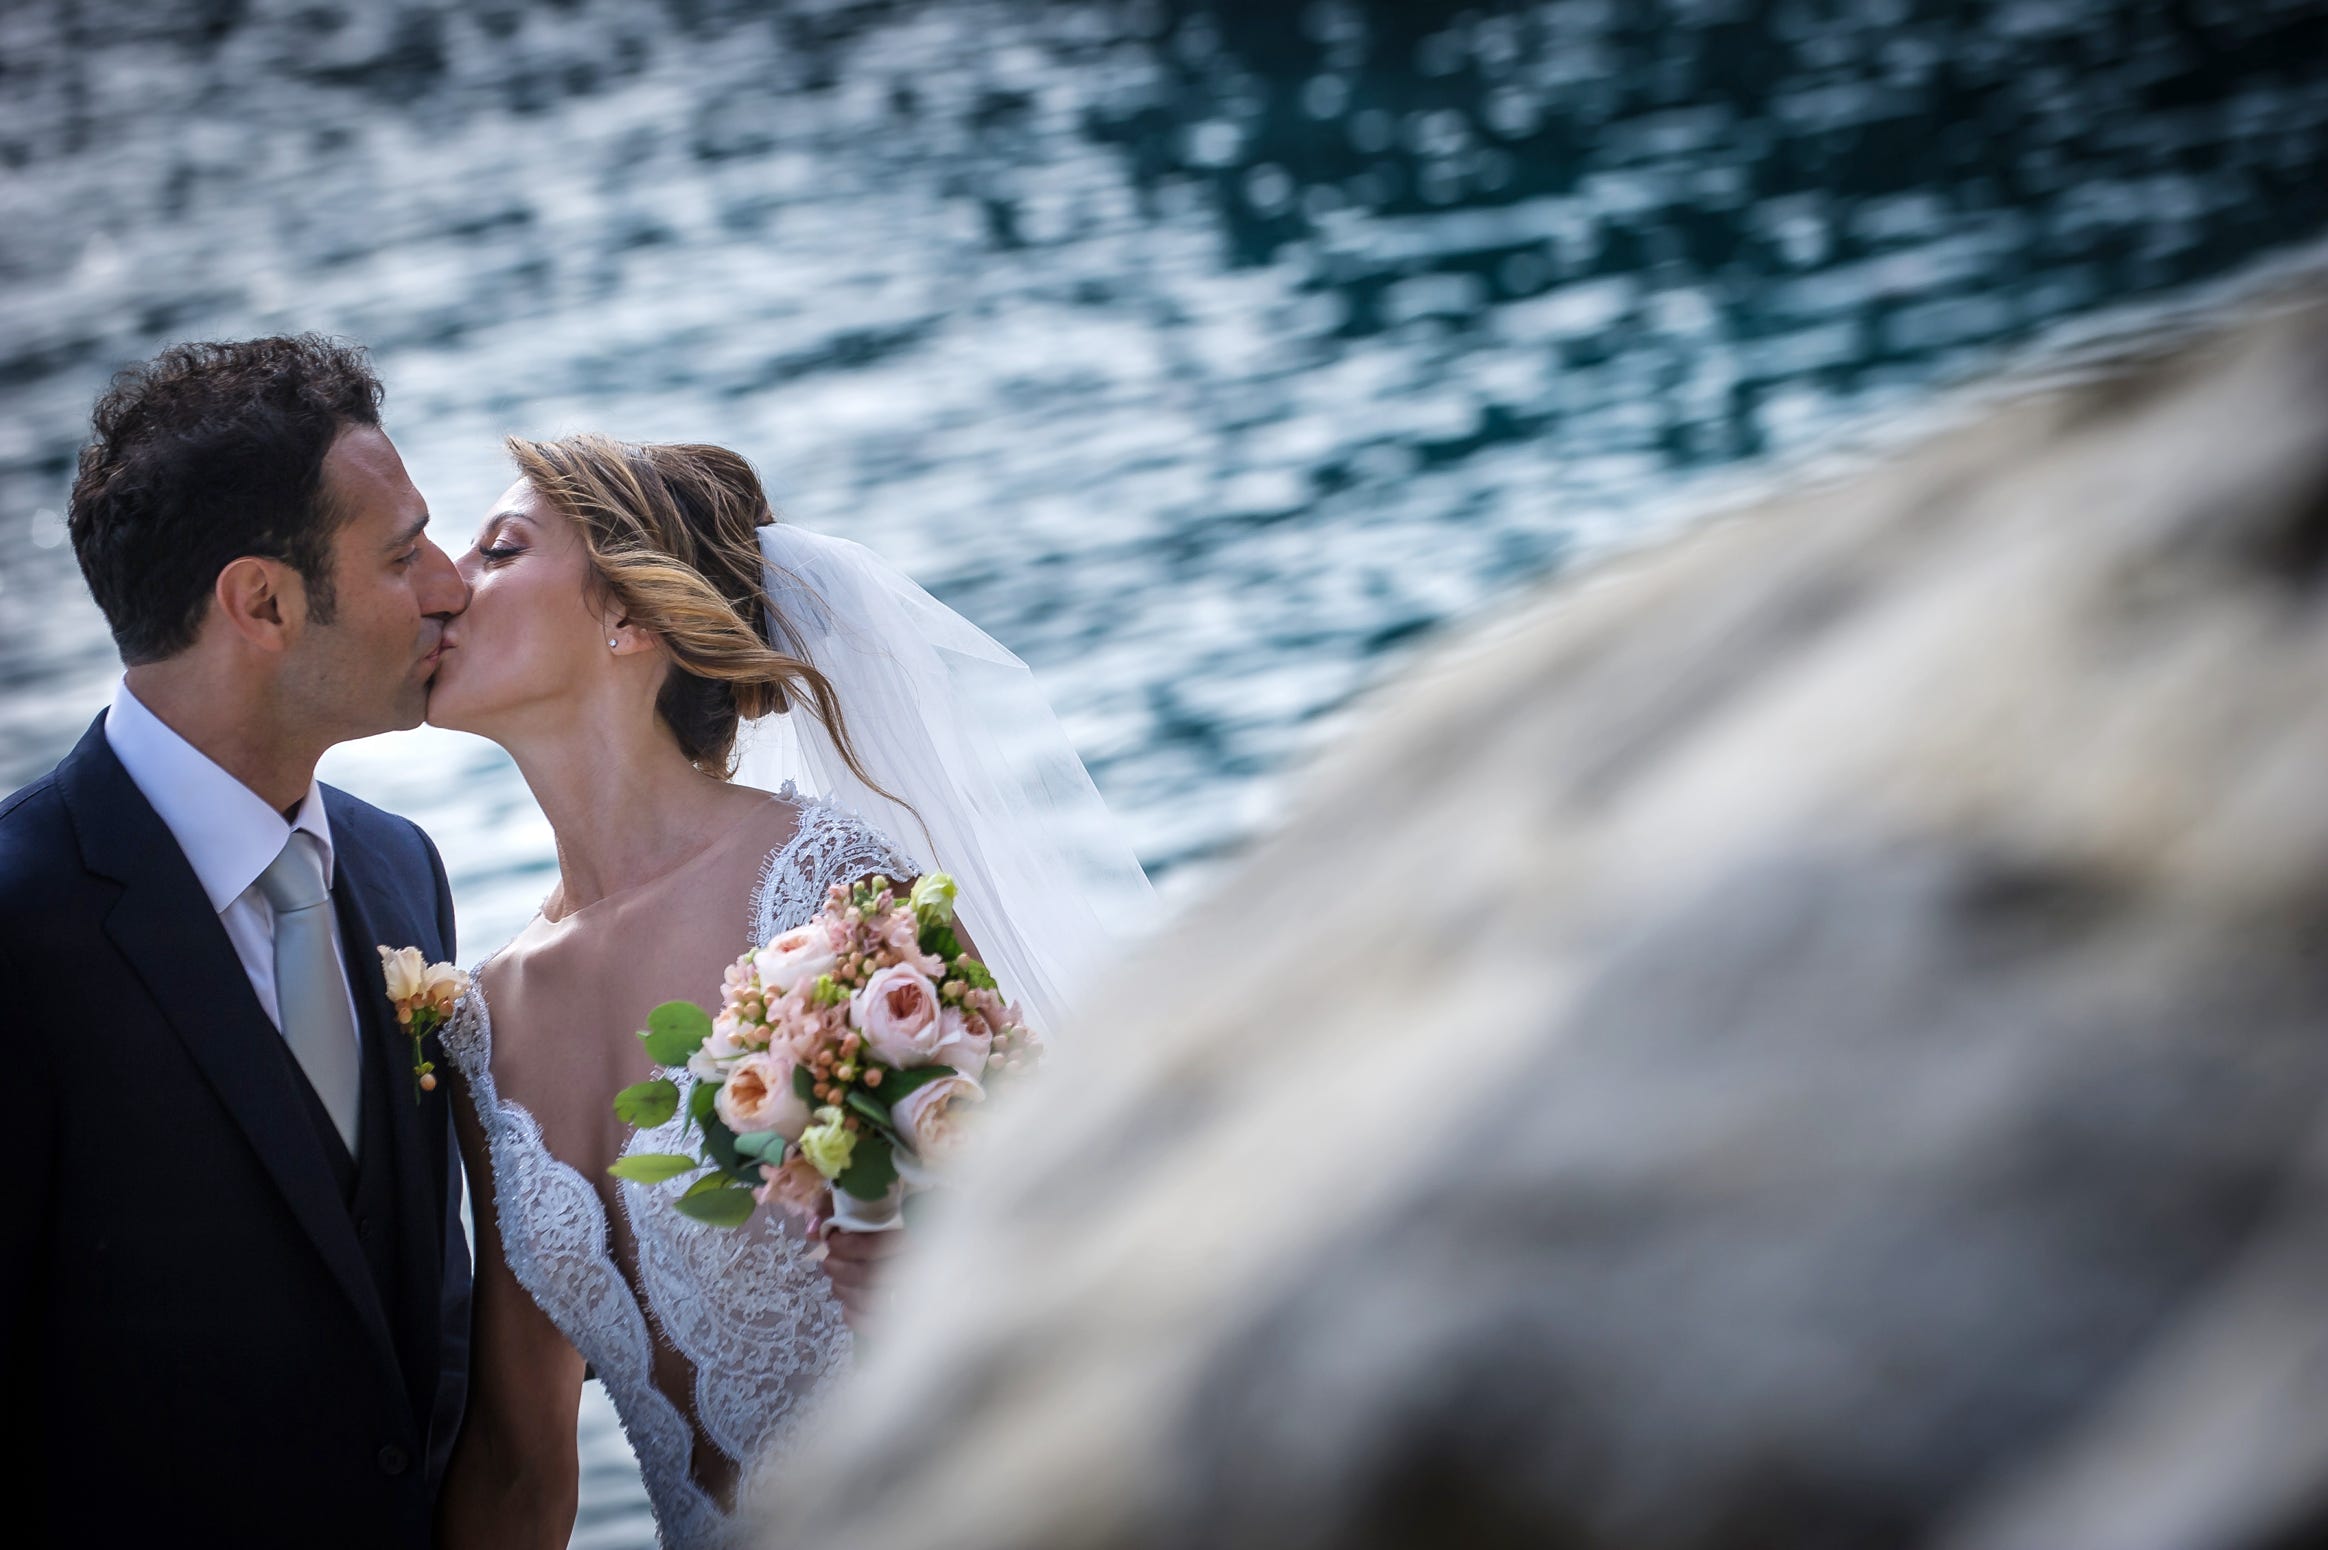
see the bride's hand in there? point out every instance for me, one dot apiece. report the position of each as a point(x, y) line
point(853, 1262)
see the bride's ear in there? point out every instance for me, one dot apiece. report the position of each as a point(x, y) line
point(624, 638)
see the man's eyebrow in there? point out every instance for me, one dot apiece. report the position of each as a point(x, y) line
point(410, 534)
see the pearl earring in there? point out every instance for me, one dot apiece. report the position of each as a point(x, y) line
point(612, 644)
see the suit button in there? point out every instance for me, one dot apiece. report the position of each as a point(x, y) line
point(394, 1460)
point(364, 1228)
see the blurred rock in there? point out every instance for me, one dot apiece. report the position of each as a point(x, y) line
point(1814, 1037)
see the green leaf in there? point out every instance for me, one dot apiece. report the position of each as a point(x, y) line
point(971, 972)
point(700, 1098)
point(654, 1167)
point(676, 1030)
point(720, 1142)
point(872, 1169)
point(729, 1207)
point(647, 1103)
point(760, 1145)
point(804, 1084)
point(898, 1083)
point(710, 1181)
point(940, 942)
point(870, 1107)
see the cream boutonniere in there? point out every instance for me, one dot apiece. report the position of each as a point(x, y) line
point(423, 995)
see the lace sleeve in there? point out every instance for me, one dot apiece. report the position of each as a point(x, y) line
point(832, 845)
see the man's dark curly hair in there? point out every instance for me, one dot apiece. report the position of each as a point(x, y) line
point(205, 454)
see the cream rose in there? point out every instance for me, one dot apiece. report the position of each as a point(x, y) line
point(958, 1047)
point(441, 985)
point(795, 957)
point(407, 972)
point(897, 1012)
point(759, 1096)
point(929, 1118)
point(719, 1048)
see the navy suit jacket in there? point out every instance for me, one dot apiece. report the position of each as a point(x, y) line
point(196, 1349)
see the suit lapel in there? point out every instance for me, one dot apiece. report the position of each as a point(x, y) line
point(371, 916)
point(164, 926)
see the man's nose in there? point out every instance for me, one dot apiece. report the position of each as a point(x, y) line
point(444, 592)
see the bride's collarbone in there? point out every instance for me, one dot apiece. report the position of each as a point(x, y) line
point(736, 835)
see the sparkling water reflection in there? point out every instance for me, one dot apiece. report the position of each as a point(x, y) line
point(1209, 356)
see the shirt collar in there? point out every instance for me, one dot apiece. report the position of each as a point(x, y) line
point(228, 832)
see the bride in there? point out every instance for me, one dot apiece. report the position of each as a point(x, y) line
point(722, 716)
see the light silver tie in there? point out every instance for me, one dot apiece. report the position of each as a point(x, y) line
point(309, 991)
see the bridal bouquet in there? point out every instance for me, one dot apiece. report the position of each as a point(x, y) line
point(838, 1068)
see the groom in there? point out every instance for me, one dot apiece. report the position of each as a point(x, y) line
point(233, 1282)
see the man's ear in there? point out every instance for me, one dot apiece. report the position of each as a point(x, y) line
point(263, 601)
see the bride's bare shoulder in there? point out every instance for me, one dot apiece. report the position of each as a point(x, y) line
point(500, 974)
point(766, 819)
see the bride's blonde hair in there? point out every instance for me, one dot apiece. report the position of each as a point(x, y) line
point(672, 534)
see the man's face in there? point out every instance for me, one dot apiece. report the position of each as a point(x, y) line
point(368, 670)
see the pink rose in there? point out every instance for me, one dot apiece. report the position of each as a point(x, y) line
point(960, 1047)
point(897, 1012)
point(759, 1096)
point(795, 1188)
point(928, 1117)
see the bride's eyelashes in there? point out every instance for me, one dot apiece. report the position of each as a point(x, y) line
point(498, 554)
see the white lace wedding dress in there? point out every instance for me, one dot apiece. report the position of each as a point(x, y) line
point(748, 1308)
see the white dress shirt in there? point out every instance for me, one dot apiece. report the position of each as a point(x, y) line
point(228, 833)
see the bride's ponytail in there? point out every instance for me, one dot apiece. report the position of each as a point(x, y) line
point(672, 533)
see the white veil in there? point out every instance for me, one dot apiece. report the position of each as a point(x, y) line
point(944, 716)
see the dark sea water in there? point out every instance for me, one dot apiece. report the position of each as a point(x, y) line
point(1208, 355)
